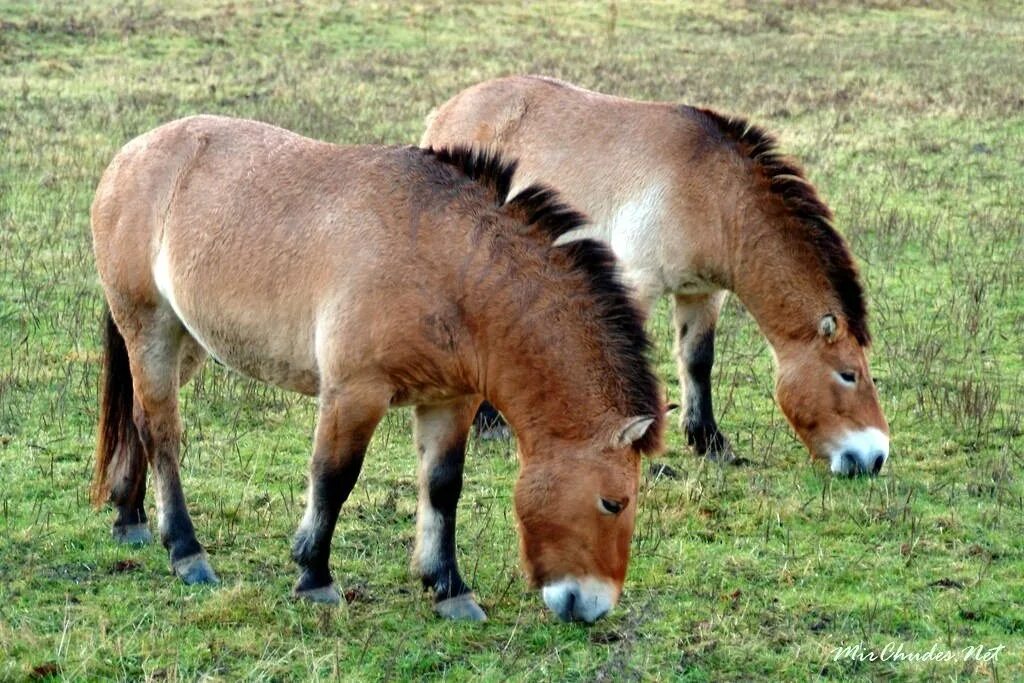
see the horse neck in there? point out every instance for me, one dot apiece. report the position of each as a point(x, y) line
point(777, 273)
point(548, 378)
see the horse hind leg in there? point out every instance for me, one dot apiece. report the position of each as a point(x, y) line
point(695, 318)
point(120, 474)
point(191, 358)
point(121, 466)
point(155, 350)
point(441, 433)
point(131, 526)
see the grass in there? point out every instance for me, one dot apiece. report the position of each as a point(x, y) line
point(910, 118)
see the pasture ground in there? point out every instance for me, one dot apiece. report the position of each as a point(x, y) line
point(908, 116)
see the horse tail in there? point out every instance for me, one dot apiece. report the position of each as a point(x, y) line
point(120, 459)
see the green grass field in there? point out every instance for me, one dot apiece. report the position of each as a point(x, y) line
point(908, 116)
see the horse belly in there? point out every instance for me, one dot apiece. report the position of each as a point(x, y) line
point(271, 362)
point(265, 344)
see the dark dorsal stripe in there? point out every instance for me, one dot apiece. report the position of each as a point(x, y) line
point(624, 340)
point(787, 181)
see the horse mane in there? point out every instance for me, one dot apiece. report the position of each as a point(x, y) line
point(543, 213)
point(787, 181)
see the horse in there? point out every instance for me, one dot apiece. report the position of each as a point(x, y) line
point(696, 204)
point(373, 277)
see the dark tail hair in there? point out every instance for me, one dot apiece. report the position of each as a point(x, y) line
point(120, 460)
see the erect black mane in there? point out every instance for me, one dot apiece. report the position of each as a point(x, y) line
point(787, 181)
point(625, 340)
point(544, 208)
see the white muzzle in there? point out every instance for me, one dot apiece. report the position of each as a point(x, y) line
point(860, 452)
point(587, 599)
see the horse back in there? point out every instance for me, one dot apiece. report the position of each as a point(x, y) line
point(650, 176)
point(276, 252)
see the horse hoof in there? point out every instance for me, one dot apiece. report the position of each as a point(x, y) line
point(325, 595)
point(660, 470)
point(136, 534)
point(195, 569)
point(720, 451)
point(722, 457)
point(461, 608)
point(726, 456)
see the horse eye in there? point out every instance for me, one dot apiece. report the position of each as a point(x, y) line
point(610, 507)
point(848, 377)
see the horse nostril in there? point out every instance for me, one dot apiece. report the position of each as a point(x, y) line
point(852, 466)
point(570, 605)
point(879, 460)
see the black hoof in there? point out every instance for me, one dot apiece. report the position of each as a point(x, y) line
point(727, 456)
point(324, 595)
point(195, 569)
point(711, 443)
point(460, 608)
point(134, 534)
point(660, 470)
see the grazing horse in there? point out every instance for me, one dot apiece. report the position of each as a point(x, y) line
point(373, 277)
point(694, 204)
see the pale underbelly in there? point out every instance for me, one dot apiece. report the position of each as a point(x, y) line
point(254, 343)
point(288, 373)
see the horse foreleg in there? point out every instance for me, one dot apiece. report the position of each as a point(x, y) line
point(695, 318)
point(343, 430)
point(441, 441)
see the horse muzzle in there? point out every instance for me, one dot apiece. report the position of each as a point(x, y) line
point(587, 599)
point(863, 451)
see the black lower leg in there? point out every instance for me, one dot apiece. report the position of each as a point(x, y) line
point(131, 510)
point(177, 534)
point(331, 486)
point(699, 420)
point(444, 483)
point(128, 492)
point(176, 531)
point(130, 515)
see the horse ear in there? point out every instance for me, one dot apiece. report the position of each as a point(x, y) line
point(827, 327)
point(632, 430)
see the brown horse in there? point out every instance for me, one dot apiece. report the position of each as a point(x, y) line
point(373, 277)
point(695, 203)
